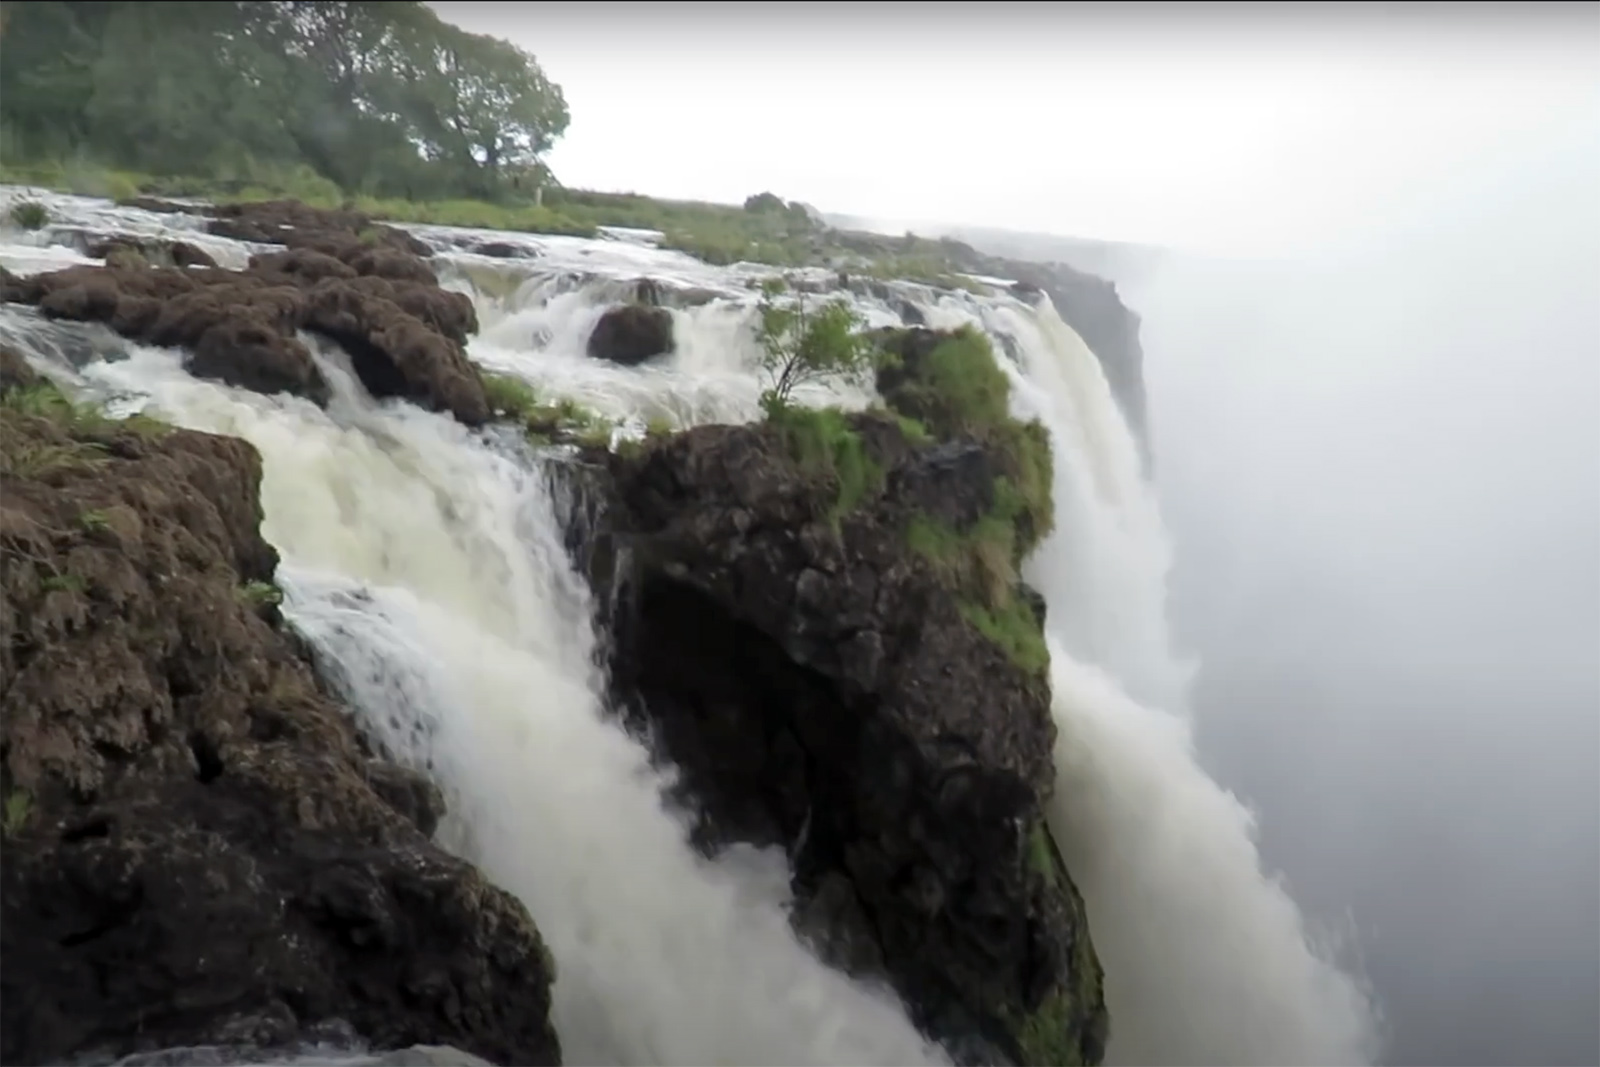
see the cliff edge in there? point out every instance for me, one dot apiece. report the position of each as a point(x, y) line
point(818, 620)
point(198, 847)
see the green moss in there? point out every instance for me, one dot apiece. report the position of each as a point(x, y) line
point(1047, 1034)
point(546, 421)
point(1014, 629)
point(18, 806)
point(64, 583)
point(1042, 853)
point(25, 457)
point(260, 594)
point(29, 214)
point(94, 521)
point(824, 445)
point(508, 395)
point(957, 389)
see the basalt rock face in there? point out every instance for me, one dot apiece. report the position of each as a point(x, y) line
point(365, 286)
point(820, 689)
point(198, 848)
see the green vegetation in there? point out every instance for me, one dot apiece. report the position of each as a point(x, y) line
point(260, 594)
point(18, 806)
point(29, 214)
point(64, 583)
point(957, 389)
point(1042, 853)
point(94, 521)
point(560, 421)
point(1045, 1034)
point(382, 99)
point(801, 344)
point(384, 107)
point(22, 456)
point(824, 445)
point(509, 395)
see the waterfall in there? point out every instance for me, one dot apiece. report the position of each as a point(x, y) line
point(424, 563)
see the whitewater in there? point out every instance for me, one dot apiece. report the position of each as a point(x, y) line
point(424, 563)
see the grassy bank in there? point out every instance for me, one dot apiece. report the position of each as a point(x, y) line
point(764, 231)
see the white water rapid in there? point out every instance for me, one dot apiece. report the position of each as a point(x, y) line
point(423, 561)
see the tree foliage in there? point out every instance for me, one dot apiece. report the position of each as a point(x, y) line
point(380, 97)
point(805, 344)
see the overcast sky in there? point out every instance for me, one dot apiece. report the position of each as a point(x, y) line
point(1227, 128)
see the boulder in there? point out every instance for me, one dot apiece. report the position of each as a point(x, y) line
point(631, 333)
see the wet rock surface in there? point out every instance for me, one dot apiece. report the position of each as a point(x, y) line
point(365, 286)
point(199, 849)
point(821, 691)
point(629, 334)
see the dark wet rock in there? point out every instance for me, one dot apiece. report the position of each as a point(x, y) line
point(368, 290)
point(289, 222)
point(631, 334)
point(130, 251)
point(157, 205)
point(501, 250)
point(820, 688)
point(197, 849)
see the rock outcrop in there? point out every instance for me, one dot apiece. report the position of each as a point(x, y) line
point(818, 620)
point(1087, 302)
point(365, 286)
point(198, 849)
point(629, 334)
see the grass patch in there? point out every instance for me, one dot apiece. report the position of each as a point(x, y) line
point(64, 583)
point(94, 521)
point(258, 594)
point(24, 458)
point(29, 214)
point(951, 387)
point(1013, 628)
point(509, 395)
point(764, 230)
point(18, 806)
point(1045, 1034)
point(560, 421)
point(1042, 853)
point(913, 430)
point(826, 448)
point(957, 389)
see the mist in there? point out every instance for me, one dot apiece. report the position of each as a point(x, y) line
point(1381, 469)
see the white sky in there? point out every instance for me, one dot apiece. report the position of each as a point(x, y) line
point(1221, 135)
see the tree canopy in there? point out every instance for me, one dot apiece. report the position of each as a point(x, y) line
point(381, 97)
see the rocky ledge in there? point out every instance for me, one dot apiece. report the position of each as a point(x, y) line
point(342, 276)
point(818, 619)
point(198, 849)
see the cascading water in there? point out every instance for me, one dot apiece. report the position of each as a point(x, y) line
point(424, 563)
point(1207, 959)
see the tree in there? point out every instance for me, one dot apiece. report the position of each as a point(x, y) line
point(764, 204)
point(379, 96)
point(801, 344)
